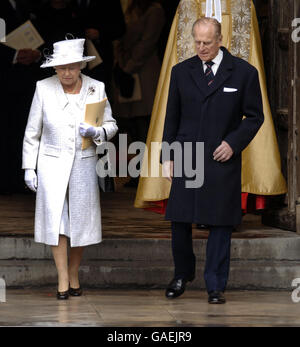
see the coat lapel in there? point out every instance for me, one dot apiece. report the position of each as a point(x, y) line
point(83, 92)
point(197, 73)
point(60, 94)
point(223, 73)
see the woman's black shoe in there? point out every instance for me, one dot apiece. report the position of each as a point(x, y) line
point(75, 291)
point(62, 295)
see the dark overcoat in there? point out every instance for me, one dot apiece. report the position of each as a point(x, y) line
point(197, 112)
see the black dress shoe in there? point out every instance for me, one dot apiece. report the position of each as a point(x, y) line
point(216, 298)
point(75, 291)
point(62, 295)
point(176, 287)
point(201, 226)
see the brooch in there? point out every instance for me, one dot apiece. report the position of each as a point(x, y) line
point(91, 90)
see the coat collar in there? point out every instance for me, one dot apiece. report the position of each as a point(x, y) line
point(223, 73)
point(62, 98)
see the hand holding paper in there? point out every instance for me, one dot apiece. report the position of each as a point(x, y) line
point(25, 36)
point(87, 130)
point(94, 114)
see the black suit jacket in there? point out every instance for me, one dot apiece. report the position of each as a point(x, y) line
point(198, 113)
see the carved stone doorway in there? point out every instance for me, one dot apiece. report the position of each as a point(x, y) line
point(282, 62)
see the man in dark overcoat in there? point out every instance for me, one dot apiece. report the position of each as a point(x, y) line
point(19, 71)
point(215, 99)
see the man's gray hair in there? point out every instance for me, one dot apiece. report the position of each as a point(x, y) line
point(208, 20)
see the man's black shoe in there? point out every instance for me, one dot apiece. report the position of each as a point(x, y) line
point(176, 287)
point(216, 298)
point(202, 226)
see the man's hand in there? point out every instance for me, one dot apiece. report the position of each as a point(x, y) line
point(28, 56)
point(92, 34)
point(167, 170)
point(223, 153)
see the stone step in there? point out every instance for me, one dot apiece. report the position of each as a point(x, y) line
point(261, 263)
point(261, 275)
point(256, 249)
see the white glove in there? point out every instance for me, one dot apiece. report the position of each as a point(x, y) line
point(30, 178)
point(87, 130)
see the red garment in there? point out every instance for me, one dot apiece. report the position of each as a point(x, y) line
point(250, 204)
point(158, 206)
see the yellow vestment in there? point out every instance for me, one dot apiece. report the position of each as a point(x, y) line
point(261, 167)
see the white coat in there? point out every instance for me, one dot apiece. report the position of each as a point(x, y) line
point(52, 146)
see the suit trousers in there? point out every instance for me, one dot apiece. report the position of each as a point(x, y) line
point(217, 255)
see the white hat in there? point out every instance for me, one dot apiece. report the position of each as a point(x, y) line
point(67, 52)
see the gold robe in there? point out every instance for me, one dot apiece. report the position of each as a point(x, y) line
point(261, 166)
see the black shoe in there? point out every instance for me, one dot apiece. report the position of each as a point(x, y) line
point(75, 291)
point(62, 295)
point(176, 287)
point(201, 226)
point(216, 298)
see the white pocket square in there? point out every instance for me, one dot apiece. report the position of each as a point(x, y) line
point(229, 90)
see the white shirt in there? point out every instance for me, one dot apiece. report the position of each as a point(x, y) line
point(217, 61)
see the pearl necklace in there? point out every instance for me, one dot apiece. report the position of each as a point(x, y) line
point(74, 89)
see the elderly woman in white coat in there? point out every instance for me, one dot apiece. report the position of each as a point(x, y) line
point(62, 174)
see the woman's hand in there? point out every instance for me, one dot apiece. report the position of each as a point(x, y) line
point(86, 130)
point(30, 179)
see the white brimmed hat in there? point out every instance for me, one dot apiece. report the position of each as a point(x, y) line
point(67, 52)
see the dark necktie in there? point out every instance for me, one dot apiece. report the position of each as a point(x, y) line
point(209, 75)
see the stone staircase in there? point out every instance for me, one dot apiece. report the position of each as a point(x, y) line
point(256, 263)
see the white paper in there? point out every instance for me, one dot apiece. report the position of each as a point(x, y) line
point(25, 36)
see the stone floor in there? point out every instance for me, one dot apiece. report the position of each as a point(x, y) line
point(120, 219)
point(138, 308)
point(148, 308)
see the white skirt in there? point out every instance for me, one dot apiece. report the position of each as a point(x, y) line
point(65, 219)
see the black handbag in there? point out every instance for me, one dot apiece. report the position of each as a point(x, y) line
point(124, 81)
point(107, 183)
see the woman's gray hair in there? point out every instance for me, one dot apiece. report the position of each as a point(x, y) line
point(83, 65)
point(209, 20)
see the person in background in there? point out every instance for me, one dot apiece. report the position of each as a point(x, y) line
point(18, 74)
point(60, 13)
point(136, 53)
point(170, 7)
point(102, 22)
